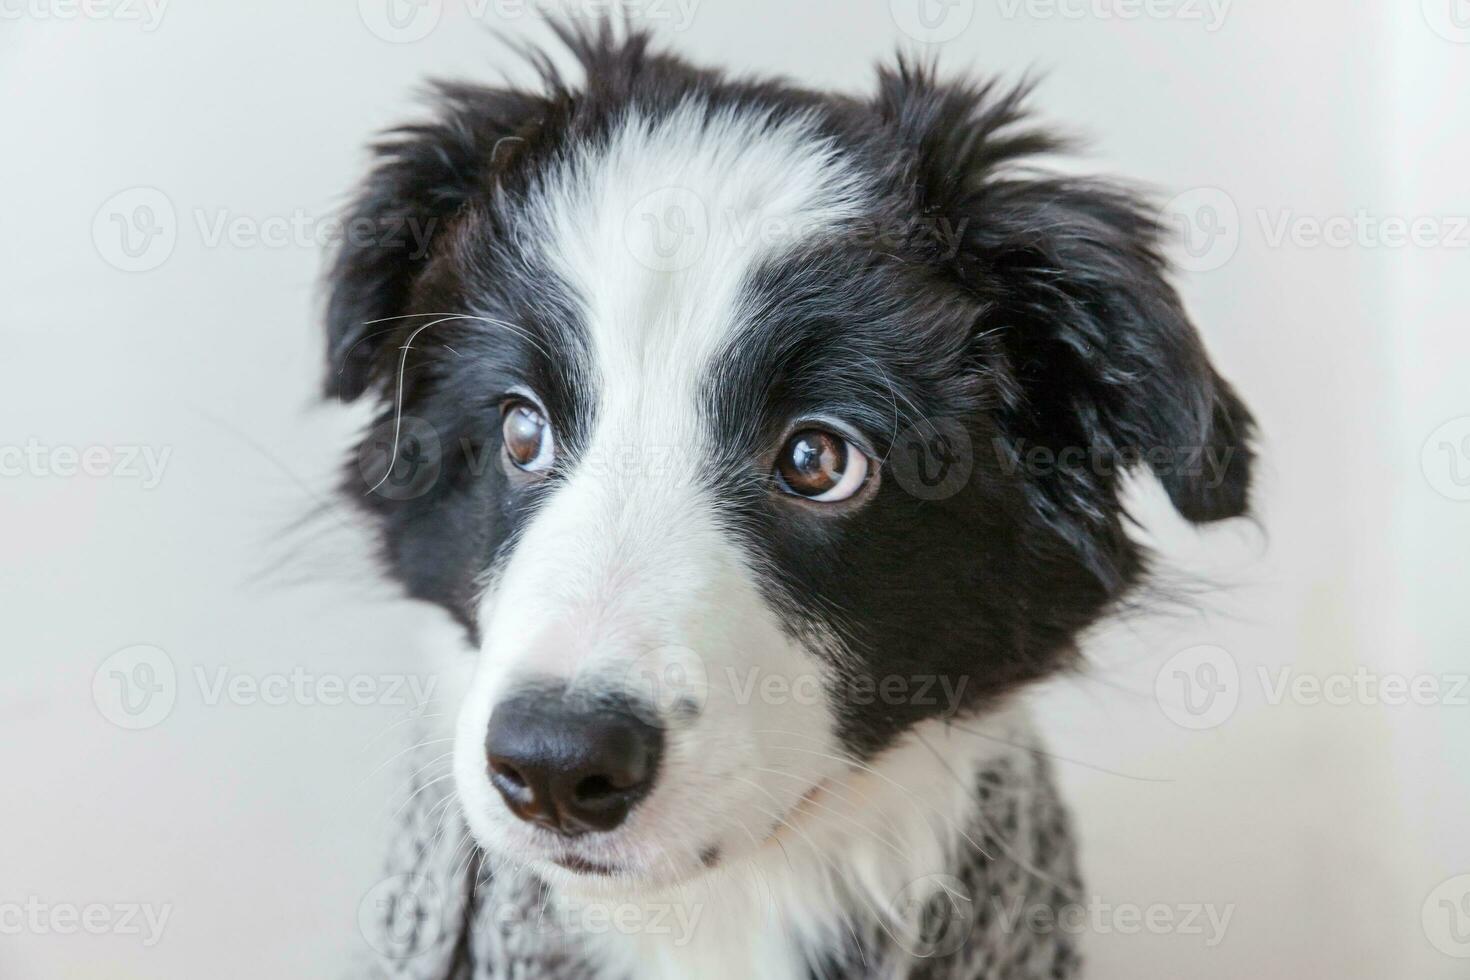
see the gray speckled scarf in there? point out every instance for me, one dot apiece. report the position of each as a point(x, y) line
point(442, 913)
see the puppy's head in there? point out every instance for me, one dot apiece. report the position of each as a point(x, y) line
point(744, 429)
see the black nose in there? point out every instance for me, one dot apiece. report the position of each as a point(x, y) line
point(568, 765)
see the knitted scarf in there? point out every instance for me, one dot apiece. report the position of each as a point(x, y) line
point(443, 913)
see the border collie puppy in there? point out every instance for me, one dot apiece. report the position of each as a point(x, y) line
point(711, 410)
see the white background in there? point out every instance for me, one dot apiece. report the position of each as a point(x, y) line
point(1325, 828)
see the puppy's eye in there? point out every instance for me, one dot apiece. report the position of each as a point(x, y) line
point(821, 466)
point(529, 443)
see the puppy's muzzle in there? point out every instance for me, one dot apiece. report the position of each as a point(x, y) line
point(570, 764)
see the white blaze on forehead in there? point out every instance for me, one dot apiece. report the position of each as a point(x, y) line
point(626, 570)
point(656, 230)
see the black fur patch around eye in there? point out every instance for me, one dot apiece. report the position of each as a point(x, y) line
point(448, 509)
point(945, 600)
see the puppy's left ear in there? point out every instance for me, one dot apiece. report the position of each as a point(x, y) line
point(1077, 314)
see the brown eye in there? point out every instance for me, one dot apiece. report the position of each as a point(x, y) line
point(821, 466)
point(528, 440)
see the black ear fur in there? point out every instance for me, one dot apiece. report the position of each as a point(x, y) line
point(1078, 312)
point(425, 176)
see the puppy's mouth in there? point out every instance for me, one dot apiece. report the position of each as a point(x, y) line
point(582, 866)
point(800, 810)
point(709, 856)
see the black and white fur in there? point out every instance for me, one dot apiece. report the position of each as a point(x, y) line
point(887, 265)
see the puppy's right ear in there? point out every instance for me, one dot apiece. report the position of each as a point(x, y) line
point(425, 176)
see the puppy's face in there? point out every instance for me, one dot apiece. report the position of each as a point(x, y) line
point(711, 410)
